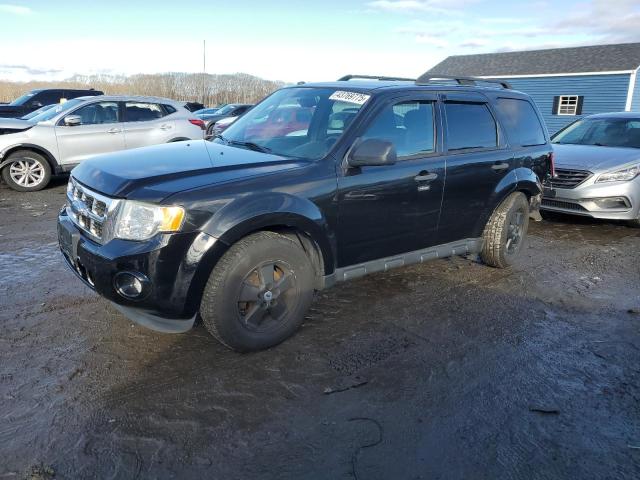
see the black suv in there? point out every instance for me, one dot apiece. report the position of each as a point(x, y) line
point(38, 98)
point(241, 230)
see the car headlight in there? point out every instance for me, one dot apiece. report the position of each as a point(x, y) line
point(141, 221)
point(622, 175)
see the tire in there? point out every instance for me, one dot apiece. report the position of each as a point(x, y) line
point(635, 223)
point(253, 268)
point(27, 171)
point(504, 234)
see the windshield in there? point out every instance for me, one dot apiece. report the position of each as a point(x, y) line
point(296, 122)
point(37, 112)
point(23, 99)
point(226, 109)
point(56, 109)
point(604, 132)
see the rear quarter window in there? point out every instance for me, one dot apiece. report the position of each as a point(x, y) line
point(521, 122)
point(470, 126)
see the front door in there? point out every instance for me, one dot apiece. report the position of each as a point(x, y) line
point(100, 131)
point(391, 209)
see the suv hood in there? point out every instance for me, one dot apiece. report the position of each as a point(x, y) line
point(153, 173)
point(14, 124)
point(593, 157)
point(10, 110)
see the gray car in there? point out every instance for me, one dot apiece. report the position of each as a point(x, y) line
point(60, 138)
point(597, 165)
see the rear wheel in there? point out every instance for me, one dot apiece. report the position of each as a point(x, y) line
point(27, 171)
point(635, 223)
point(505, 232)
point(258, 293)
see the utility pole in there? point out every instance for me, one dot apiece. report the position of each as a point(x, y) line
point(204, 71)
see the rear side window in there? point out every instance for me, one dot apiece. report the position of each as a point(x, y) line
point(169, 109)
point(470, 126)
point(142, 112)
point(521, 122)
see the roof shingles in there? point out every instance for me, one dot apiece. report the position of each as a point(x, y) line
point(598, 58)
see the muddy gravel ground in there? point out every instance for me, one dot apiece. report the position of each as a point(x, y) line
point(448, 370)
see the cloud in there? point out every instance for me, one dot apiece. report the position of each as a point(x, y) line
point(29, 70)
point(419, 6)
point(15, 9)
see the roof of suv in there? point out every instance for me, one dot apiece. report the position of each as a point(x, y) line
point(133, 98)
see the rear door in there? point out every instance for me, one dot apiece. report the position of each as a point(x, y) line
point(100, 132)
point(478, 162)
point(391, 209)
point(145, 124)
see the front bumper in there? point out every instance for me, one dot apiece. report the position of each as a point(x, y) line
point(587, 200)
point(169, 262)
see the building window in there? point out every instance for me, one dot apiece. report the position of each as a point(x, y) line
point(567, 105)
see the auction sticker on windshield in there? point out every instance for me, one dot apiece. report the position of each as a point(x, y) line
point(349, 97)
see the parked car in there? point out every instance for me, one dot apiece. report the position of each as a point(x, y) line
point(281, 122)
point(229, 110)
point(241, 232)
point(38, 98)
point(206, 111)
point(597, 162)
point(220, 126)
point(58, 139)
point(10, 125)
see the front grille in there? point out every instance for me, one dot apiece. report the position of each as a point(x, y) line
point(547, 202)
point(89, 210)
point(567, 178)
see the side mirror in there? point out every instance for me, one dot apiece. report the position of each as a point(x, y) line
point(372, 152)
point(72, 120)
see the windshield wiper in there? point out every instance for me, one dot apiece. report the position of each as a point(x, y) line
point(250, 145)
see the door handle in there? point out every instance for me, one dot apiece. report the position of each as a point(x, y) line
point(425, 177)
point(114, 130)
point(500, 166)
point(165, 127)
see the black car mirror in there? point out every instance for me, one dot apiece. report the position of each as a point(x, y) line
point(372, 152)
point(72, 120)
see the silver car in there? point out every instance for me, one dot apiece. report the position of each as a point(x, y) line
point(58, 139)
point(597, 165)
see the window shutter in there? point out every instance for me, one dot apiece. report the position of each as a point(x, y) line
point(556, 105)
point(579, 106)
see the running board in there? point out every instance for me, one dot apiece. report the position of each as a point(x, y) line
point(461, 247)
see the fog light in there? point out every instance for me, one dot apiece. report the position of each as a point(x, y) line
point(130, 285)
point(611, 202)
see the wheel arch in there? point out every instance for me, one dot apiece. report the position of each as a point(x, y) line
point(31, 147)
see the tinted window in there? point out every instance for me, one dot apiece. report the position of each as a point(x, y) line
point(408, 125)
point(141, 112)
point(47, 97)
point(97, 113)
point(169, 109)
point(470, 125)
point(521, 122)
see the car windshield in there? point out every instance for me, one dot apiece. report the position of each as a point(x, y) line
point(22, 99)
point(225, 110)
point(55, 110)
point(302, 122)
point(603, 132)
point(37, 112)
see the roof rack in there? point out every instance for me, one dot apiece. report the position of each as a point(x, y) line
point(427, 78)
point(346, 78)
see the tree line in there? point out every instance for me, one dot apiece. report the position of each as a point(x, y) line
point(206, 88)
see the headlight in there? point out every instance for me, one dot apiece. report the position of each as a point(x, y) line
point(141, 221)
point(623, 175)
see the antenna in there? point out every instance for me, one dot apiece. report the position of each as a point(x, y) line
point(204, 71)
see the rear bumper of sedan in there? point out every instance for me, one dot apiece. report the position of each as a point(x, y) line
point(609, 200)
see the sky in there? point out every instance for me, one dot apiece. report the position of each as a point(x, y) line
point(290, 40)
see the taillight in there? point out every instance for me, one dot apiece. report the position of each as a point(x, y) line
point(552, 164)
point(198, 122)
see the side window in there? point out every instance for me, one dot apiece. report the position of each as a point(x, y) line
point(408, 125)
point(142, 112)
point(47, 97)
point(469, 126)
point(99, 112)
point(521, 122)
point(169, 109)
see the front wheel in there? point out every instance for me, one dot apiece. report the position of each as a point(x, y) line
point(505, 232)
point(258, 293)
point(27, 171)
